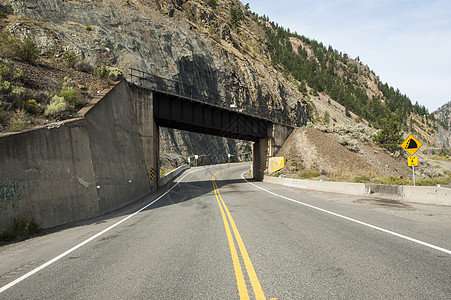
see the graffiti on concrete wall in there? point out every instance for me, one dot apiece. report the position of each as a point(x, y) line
point(66, 172)
point(9, 194)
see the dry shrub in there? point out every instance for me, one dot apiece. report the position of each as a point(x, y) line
point(57, 107)
point(349, 143)
point(19, 120)
point(26, 50)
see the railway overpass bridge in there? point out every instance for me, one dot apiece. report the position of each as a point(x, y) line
point(184, 107)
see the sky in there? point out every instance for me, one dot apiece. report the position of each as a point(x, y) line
point(407, 43)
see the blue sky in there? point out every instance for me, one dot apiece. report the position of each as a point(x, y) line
point(406, 43)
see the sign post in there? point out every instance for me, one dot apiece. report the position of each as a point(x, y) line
point(411, 146)
point(412, 161)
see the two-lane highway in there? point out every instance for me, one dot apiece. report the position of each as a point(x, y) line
point(214, 235)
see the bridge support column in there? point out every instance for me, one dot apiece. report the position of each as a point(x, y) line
point(259, 155)
point(156, 155)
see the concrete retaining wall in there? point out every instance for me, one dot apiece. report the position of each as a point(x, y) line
point(48, 174)
point(76, 169)
point(421, 194)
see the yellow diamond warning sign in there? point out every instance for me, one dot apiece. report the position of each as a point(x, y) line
point(411, 145)
point(412, 161)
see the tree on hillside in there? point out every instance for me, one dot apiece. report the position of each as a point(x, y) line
point(236, 15)
point(213, 3)
point(390, 135)
point(328, 71)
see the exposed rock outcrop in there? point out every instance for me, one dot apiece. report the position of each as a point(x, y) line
point(183, 40)
point(443, 115)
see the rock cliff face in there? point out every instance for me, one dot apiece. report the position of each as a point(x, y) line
point(443, 115)
point(188, 41)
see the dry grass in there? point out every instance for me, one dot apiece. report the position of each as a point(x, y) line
point(363, 176)
point(164, 171)
point(20, 228)
point(19, 121)
point(433, 181)
point(308, 174)
point(344, 174)
point(441, 157)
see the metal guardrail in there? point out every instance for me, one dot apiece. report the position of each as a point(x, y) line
point(179, 89)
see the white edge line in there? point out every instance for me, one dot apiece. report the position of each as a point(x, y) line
point(25, 276)
point(353, 220)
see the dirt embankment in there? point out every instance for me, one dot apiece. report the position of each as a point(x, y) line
point(308, 149)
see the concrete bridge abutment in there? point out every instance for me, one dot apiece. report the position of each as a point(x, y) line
point(268, 147)
point(149, 133)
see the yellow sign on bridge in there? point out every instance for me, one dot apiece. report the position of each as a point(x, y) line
point(276, 163)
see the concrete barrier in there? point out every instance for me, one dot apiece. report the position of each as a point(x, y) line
point(427, 195)
point(420, 194)
point(357, 189)
point(274, 180)
point(297, 183)
point(171, 175)
point(325, 186)
point(385, 191)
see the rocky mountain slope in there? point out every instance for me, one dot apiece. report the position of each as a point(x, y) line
point(443, 117)
point(443, 114)
point(170, 39)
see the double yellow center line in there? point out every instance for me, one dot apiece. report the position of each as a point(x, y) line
point(227, 218)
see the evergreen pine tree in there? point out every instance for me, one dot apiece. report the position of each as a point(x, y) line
point(390, 135)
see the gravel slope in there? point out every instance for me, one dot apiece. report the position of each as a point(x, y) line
point(311, 149)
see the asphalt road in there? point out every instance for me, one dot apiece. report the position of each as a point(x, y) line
point(216, 236)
